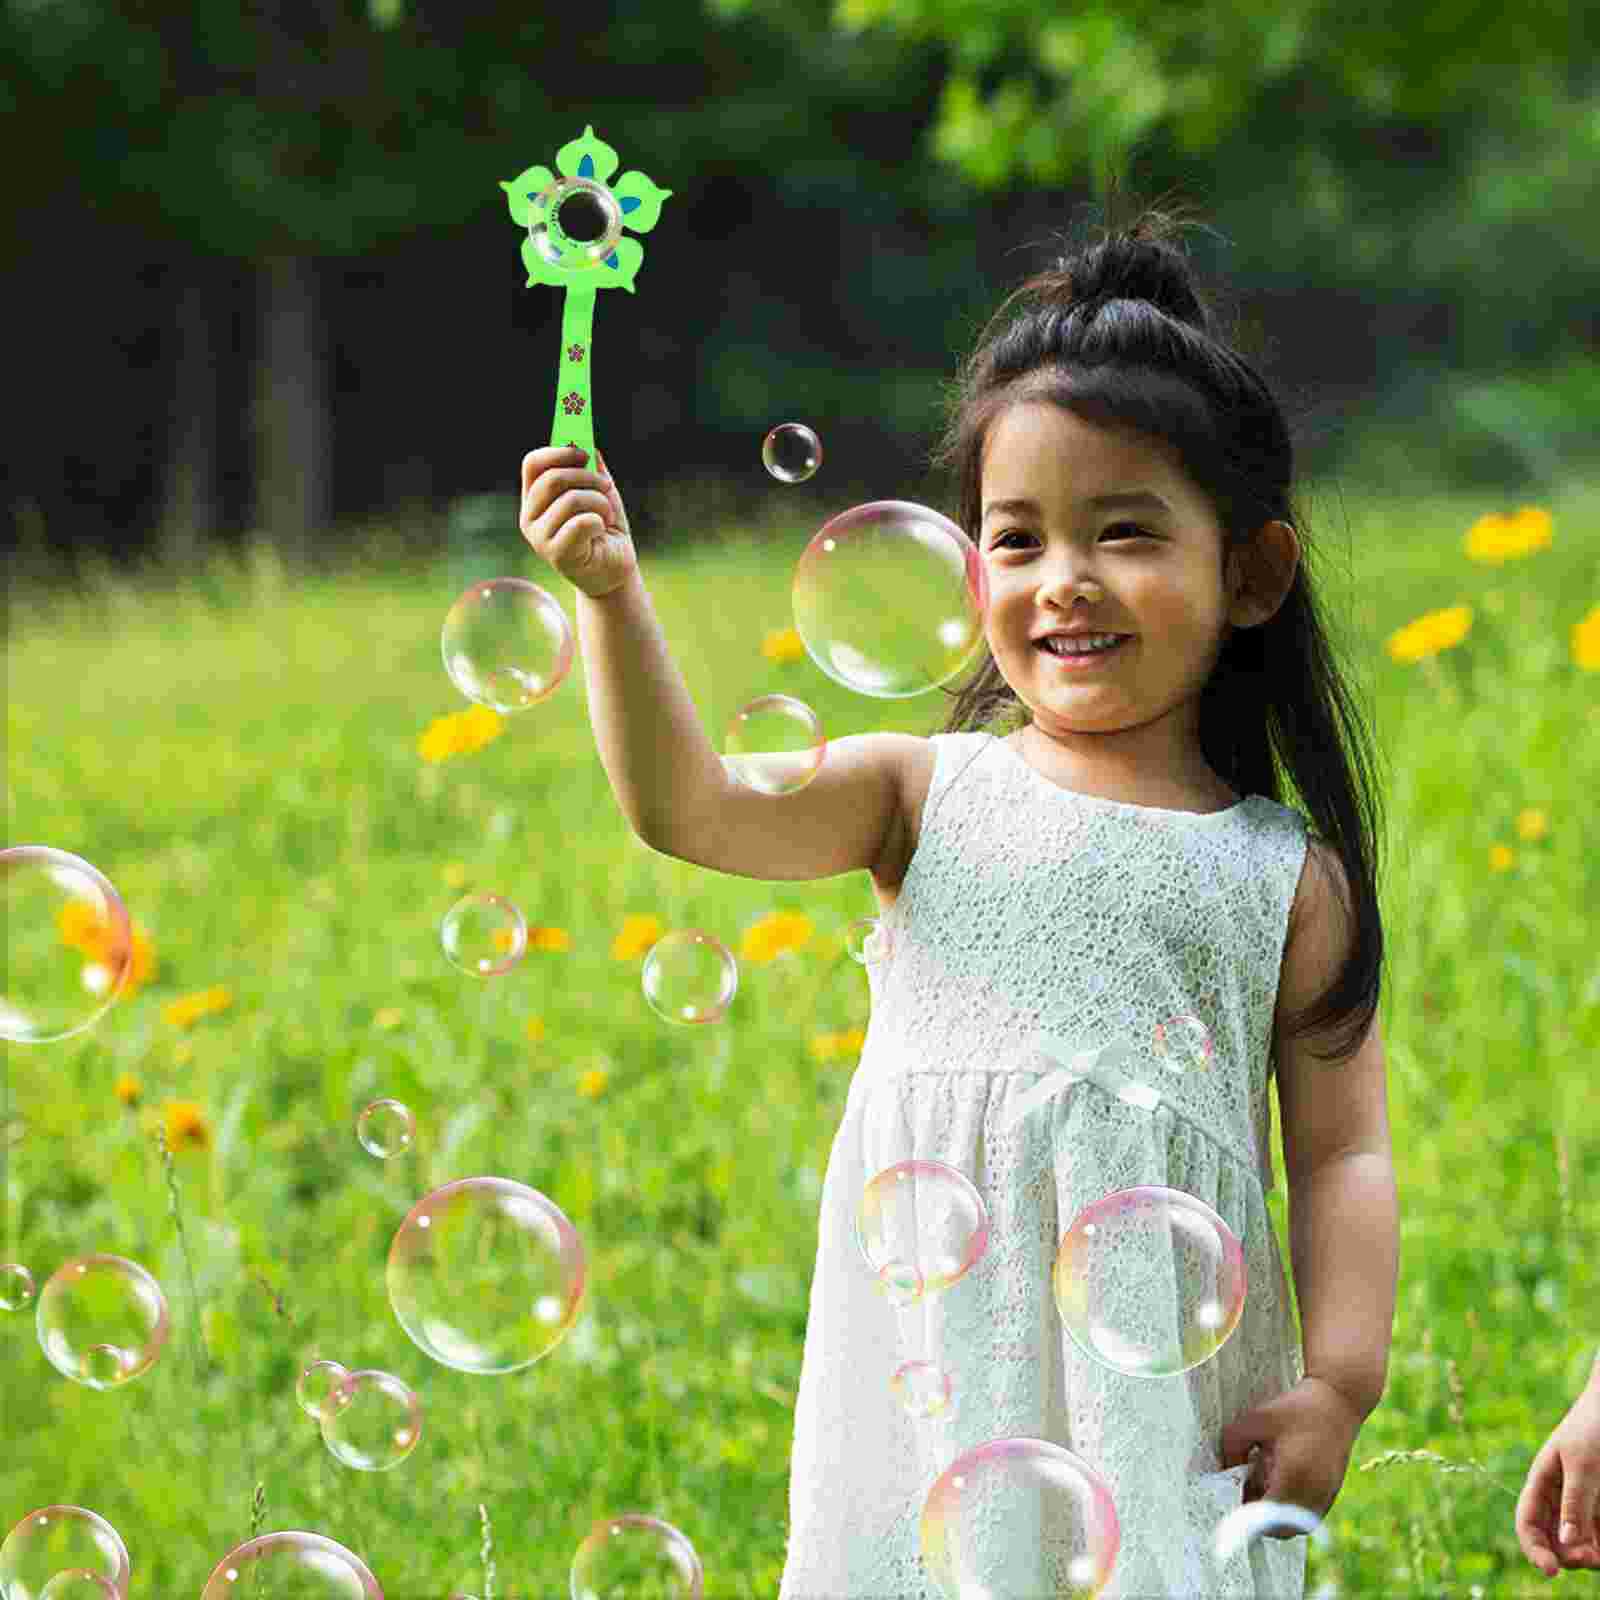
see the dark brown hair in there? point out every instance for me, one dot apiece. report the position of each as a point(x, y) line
point(1118, 334)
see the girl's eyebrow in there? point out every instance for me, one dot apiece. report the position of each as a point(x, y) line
point(1132, 500)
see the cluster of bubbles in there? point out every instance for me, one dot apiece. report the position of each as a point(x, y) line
point(486, 1275)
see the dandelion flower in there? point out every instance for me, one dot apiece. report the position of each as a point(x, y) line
point(1586, 642)
point(637, 936)
point(1501, 858)
point(535, 1029)
point(128, 1089)
point(186, 1125)
point(185, 1011)
point(1532, 824)
point(555, 939)
point(1495, 539)
point(1430, 633)
point(783, 644)
point(592, 1084)
point(772, 936)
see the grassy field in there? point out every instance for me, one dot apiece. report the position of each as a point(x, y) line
point(238, 751)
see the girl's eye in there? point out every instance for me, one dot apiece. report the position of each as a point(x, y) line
point(1124, 529)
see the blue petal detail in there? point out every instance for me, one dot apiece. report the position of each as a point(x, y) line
point(611, 261)
point(586, 167)
point(631, 203)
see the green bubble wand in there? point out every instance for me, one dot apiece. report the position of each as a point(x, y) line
point(574, 225)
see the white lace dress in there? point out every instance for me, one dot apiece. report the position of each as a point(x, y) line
point(1036, 922)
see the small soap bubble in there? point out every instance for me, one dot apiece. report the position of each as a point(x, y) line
point(60, 1539)
point(76, 1583)
point(791, 452)
point(868, 940)
point(315, 1385)
point(297, 1564)
point(889, 599)
point(68, 944)
point(385, 1128)
point(922, 1388)
point(689, 977)
point(633, 1555)
point(101, 1320)
point(371, 1421)
point(486, 1275)
point(506, 644)
point(923, 1216)
point(1020, 1516)
point(1143, 1248)
point(484, 935)
point(1265, 1519)
point(574, 223)
point(16, 1287)
point(774, 745)
point(1183, 1043)
point(900, 1281)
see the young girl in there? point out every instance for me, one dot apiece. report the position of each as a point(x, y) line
point(1118, 860)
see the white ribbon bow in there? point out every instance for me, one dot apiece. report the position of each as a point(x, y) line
point(1102, 1066)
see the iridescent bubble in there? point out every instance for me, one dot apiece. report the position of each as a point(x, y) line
point(923, 1216)
point(689, 977)
point(101, 1320)
point(868, 940)
point(16, 1286)
point(1264, 1519)
point(486, 1275)
point(574, 223)
point(900, 1281)
point(635, 1557)
point(922, 1388)
point(68, 944)
point(77, 1583)
point(484, 934)
point(889, 599)
point(1182, 1043)
point(315, 1385)
point(506, 644)
point(1020, 1517)
point(372, 1421)
point(1149, 1281)
point(293, 1565)
point(385, 1128)
point(791, 452)
point(60, 1539)
point(774, 745)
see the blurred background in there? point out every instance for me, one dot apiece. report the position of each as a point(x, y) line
point(262, 282)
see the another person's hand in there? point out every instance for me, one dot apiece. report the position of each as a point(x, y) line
point(575, 519)
point(1306, 1435)
point(1560, 1500)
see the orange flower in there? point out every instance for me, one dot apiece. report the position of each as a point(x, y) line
point(186, 1126)
point(128, 1089)
point(638, 934)
point(1586, 642)
point(549, 939)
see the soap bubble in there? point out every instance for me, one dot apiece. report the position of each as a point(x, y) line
point(371, 1421)
point(77, 1583)
point(635, 1557)
point(1149, 1281)
point(689, 977)
point(1020, 1517)
point(506, 644)
point(315, 1387)
point(774, 745)
point(889, 599)
point(791, 452)
point(1182, 1043)
point(1263, 1519)
point(68, 944)
point(484, 934)
point(385, 1128)
point(922, 1389)
point(900, 1281)
point(486, 1275)
point(101, 1320)
point(922, 1217)
point(574, 223)
point(60, 1539)
point(16, 1286)
point(868, 940)
point(296, 1566)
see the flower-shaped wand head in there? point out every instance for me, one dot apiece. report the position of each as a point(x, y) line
point(574, 224)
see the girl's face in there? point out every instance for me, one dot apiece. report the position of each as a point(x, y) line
point(1114, 538)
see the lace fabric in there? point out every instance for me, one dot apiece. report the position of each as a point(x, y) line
point(1035, 927)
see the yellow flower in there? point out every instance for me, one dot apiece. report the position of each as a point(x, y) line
point(592, 1084)
point(389, 1017)
point(1500, 858)
point(772, 936)
point(783, 644)
point(186, 1126)
point(1532, 824)
point(638, 934)
point(188, 1009)
point(1429, 634)
point(438, 740)
point(127, 1089)
point(825, 1046)
point(1494, 539)
point(1586, 642)
point(454, 875)
point(460, 734)
point(82, 929)
point(535, 1028)
point(550, 939)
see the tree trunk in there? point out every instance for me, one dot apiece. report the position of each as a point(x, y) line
point(294, 500)
point(190, 513)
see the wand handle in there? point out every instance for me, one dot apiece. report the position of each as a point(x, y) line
point(574, 416)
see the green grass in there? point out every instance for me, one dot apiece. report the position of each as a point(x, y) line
point(237, 751)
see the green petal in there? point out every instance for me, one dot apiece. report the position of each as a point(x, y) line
point(570, 157)
point(635, 186)
point(629, 254)
point(520, 190)
point(542, 271)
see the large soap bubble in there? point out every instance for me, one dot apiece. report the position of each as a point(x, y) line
point(636, 1557)
point(293, 1565)
point(921, 1225)
point(101, 1320)
point(61, 1539)
point(506, 644)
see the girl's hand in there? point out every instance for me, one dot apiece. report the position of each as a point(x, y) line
point(1557, 1511)
point(1306, 1435)
point(575, 519)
